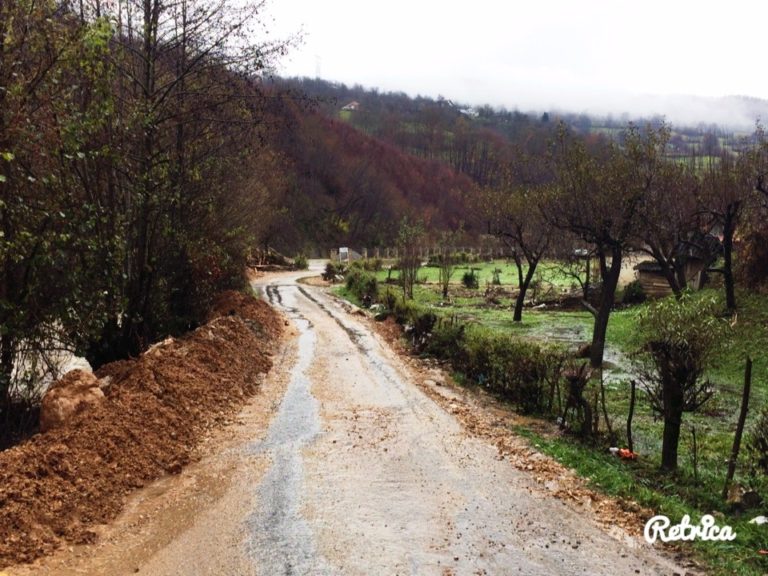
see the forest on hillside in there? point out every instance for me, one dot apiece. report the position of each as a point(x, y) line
point(468, 136)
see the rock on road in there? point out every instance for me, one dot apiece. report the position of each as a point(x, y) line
point(358, 472)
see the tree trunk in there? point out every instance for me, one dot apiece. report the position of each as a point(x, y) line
point(669, 266)
point(739, 427)
point(671, 274)
point(607, 296)
point(673, 418)
point(728, 231)
point(526, 282)
point(682, 281)
point(7, 347)
point(633, 388)
point(586, 424)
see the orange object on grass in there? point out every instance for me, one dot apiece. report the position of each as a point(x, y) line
point(627, 454)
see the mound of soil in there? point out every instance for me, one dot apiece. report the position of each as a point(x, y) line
point(58, 485)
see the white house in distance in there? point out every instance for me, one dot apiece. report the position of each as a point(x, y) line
point(353, 106)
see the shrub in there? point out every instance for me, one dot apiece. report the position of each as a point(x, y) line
point(405, 311)
point(680, 340)
point(361, 283)
point(470, 279)
point(434, 260)
point(523, 373)
point(389, 299)
point(421, 328)
point(332, 270)
point(516, 370)
point(300, 262)
point(634, 293)
point(367, 264)
point(447, 340)
point(496, 277)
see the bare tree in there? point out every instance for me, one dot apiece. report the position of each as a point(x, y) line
point(599, 194)
point(515, 214)
point(669, 227)
point(186, 115)
point(408, 239)
point(447, 257)
point(727, 186)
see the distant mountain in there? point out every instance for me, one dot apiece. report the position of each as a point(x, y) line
point(684, 112)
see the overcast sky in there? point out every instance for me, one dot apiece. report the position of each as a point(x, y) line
point(580, 55)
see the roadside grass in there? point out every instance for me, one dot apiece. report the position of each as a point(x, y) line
point(640, 482)
point(696, 488)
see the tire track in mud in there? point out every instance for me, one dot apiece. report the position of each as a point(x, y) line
point(364, 342)
point(280, 540)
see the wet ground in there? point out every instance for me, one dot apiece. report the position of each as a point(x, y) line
point(572, 336)
point(358, 472)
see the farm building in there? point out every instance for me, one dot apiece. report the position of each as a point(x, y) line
point(352, 106)
point(655, 284)
point(699, 254)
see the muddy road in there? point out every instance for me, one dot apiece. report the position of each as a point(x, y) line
point(344, 466)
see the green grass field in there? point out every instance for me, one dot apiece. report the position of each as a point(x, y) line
point(548, 274)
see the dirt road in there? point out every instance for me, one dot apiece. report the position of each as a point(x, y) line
point(358, 472)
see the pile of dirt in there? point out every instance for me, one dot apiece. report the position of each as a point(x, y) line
point(57, 486)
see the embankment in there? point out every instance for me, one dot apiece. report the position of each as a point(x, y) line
point(58, 486)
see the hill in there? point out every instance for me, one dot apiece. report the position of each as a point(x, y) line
point(345, 186)
point(480, 141)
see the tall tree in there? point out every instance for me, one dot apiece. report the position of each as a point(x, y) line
point(186, 87)
point(600, 191)
point(727, 187)
point(669, 227)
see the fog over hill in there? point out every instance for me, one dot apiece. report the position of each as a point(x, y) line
point(739, 113)
point(731, 113)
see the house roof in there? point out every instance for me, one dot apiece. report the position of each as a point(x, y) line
point(648, 266)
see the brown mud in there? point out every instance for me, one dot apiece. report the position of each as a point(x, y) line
point(59, 486)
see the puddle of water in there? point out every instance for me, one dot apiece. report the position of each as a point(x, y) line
point(616, 364)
